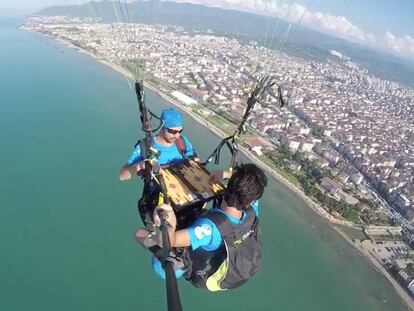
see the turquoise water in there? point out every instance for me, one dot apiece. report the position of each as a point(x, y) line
point(67, 124)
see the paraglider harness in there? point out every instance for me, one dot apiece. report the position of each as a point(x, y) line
point(261, 86)
point(150, 195)
point(211, 270)
point(154, 178)
point(236, 260)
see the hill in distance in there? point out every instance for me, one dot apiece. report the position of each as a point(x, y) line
point(301, 42)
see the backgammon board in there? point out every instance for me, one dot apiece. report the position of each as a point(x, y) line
point(188, 183)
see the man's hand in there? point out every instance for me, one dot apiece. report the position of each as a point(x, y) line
point(219, 176)
point(165, 211)
point(124, 174)
point(139, 166)
point(128, 170)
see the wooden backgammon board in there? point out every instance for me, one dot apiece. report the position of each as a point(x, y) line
point(188, 183)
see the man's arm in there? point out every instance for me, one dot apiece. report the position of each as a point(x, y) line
point(128, 170)
point(180, 238)
point(201, 233)
point(135, 164)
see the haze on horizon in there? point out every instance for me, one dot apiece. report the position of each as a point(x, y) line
point(378, 24)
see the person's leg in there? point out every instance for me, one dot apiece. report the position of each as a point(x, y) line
point(142, 209)
point(146, 206)
point(159, 270)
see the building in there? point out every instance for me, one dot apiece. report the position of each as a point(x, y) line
point(182, 98)
point(329, 185)
point(306, 147)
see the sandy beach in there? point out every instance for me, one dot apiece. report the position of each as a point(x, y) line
point(313, 205)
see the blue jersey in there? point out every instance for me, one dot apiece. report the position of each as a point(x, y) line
point(167, 155)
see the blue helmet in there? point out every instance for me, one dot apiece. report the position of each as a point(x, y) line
point(172, 118)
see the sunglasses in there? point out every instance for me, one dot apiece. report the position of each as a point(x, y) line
point(171, 131)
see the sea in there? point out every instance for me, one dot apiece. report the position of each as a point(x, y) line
point(67, 124)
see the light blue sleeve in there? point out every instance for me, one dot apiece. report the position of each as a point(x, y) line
point(190, 151)
point(204, 233)
point(135, 157)
point(255, 206)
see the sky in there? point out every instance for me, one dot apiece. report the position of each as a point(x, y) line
point(380, 24)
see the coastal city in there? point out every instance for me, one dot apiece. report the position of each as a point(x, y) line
point(345, 139)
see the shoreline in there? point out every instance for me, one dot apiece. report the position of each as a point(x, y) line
point(331, 221)
point(375, 264)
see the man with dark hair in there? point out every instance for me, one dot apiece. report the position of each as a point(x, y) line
point(223, 247)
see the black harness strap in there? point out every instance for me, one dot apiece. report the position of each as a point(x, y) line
point(152, 169)
point(262, 85)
